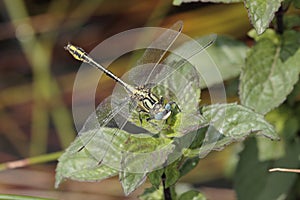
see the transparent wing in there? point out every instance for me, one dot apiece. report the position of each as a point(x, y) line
point(107, 140)
point(104, 134)
point(140, 74)
point(94, 135)
point(178, 76)
point(103, 116)
point(187, 52)
point(182, 76)
point(159, 47)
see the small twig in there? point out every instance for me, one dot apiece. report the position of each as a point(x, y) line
point(284, 170)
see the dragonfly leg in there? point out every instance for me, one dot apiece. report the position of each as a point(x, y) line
point(149, 120)
point(140, 117)
point(176, 105)
point(100, 162)
point(81, 148)
point(161, 100)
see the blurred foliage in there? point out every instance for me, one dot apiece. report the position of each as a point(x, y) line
point(37, 76)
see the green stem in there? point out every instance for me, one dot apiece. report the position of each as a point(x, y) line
point(18, 197)
point(38, 51)
point(30, 161)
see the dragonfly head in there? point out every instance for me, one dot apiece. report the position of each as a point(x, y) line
point(163, 115)
point(161, 112)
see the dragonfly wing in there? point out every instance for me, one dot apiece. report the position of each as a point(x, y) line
point(159, 47)
point(106, 139)
point(181, 76)
point(102, 116)
point(176, 67)
point(95, 135)
point(187, 51)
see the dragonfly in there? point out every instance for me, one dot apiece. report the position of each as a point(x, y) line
point(148, 103)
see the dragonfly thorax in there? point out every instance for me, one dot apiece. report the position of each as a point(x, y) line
point(145, 98)
point(150, 104)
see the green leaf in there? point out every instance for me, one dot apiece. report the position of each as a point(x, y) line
point(147, 154)
point(192, 195)
point(131, 181)
point(179, 2)
point(188, 165)
point(252, 179)
point(220, 61)
point(237, 121)
point(291, 21)
point(110, 152)
point(133, 153)
point(80, 166)
point(261, 12)
point(229, 56)
point(292, 98)
point(291, 128)
point(268, 34)
point(266, 80)
point(172, 174)
point(184, 81)
point(286, 125)
point(155, 177)
point(290, 44)
point(186, 76)
point(230, 123)
point(270, 150)
point(296, 3)
point(152, 193)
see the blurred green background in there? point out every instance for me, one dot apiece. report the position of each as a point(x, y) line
point(37, 75)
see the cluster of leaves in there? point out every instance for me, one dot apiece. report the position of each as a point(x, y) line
point(268, 88)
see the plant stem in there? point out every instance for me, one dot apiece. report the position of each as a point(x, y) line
point(167, 191)
point(19, 197)
point(279, 18)
point(30, 161)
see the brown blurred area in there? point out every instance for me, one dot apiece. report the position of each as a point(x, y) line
point(37, 75)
